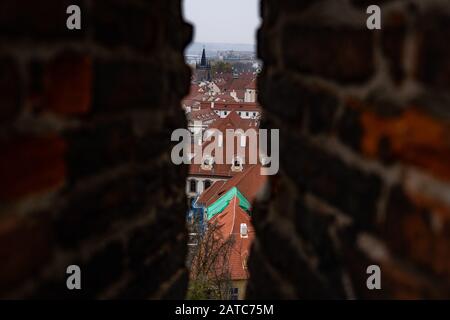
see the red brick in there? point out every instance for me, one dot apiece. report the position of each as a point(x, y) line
point(393, 42)
point(42, 21)
point(404, 284)
point(356, 263)
point(397, 281)
point(311, 50)
point(433, 65)
point(418, 229)
point(411, 137)
point(30, 165)
point(67, 85)
point(24, 249)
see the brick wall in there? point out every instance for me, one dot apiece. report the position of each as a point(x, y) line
point(365, 151)
point(86, 118)
point(86, 178)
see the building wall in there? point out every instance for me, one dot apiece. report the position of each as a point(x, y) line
point(242, 114)
point(85, 170)
point(200, 185)
point(365, 179)
point(251, 114)
point(242, 286)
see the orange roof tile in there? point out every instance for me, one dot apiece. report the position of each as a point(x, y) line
point(202, 115)
point(249, 182)
point(229, 223)
point(252, 85)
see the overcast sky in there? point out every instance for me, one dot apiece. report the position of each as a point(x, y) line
point(227, 21)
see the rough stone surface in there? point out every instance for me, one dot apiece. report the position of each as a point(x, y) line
point(85, 149)
point(364, 167)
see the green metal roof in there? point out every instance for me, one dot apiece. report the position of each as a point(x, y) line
point(223, 202)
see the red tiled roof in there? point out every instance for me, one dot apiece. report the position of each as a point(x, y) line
point(249, 182)
point(232, 121)
point(211, 193)
point(224, 98)
point(238, 106)
point(218, 170)
point(240, 94)
point(227, 82)
point(238, 84)
point(252, 85)
point(202, 115)
point(229, 223)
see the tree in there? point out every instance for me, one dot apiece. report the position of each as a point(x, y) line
point(208, 261)
point(221, 67)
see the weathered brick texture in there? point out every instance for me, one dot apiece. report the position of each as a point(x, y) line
point(365, 151)
point(86, 118)
point(85, 167)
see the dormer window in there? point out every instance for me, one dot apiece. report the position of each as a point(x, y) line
point(244, 230)
point(237, 164)
point(208, 163)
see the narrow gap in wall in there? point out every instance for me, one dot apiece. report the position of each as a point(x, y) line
point(225, 156)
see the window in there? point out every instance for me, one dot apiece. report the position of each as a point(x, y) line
point(246, 114)
point(207, 184)
point(254, 114)
point(234, 294)
point(208, 161)
point(237, 162)
point(244, 230)
point(193, 186)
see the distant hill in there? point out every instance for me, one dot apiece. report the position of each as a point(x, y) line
point(212, 48)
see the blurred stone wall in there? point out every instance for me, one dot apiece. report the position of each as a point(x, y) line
point(86, 178)
point(365, 150)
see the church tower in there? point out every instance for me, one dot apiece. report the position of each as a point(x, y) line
point(203, 70)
